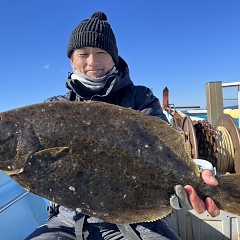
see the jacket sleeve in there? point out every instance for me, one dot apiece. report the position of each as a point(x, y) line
point(148, 103)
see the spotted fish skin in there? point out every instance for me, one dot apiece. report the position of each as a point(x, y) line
point(107, 161)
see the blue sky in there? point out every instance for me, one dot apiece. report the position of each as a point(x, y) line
point(181, 44)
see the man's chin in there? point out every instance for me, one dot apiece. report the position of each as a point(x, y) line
point(95, 74)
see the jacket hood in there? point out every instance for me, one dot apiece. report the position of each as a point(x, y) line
point(124, 79)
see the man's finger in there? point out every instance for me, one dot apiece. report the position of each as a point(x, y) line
point(211, 207)
point(209, 178)
point(196, 202)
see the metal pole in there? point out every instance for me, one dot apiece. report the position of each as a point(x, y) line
point(214, 101)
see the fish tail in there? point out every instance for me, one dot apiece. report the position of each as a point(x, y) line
point(227, 197)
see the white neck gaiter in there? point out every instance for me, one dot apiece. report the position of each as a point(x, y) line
point(95, 84)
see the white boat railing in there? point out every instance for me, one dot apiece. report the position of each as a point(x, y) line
point(235, 84)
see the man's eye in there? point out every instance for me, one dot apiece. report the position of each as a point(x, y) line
point(101, 52)
point(83, 54)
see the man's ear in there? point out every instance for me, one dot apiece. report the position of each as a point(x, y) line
point(72, 63)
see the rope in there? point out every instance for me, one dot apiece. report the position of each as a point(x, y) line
point(225, 149)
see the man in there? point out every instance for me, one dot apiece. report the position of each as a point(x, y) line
point(100, 74)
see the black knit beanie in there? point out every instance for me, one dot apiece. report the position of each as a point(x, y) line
point(94, 32)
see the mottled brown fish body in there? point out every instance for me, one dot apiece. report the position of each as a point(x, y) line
point(110, 162)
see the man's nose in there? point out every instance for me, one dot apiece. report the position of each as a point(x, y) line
point(92, 59)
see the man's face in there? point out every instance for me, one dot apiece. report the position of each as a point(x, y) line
point(94, 62)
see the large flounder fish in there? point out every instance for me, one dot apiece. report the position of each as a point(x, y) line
point(107, 161)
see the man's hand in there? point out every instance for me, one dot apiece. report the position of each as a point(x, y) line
point(188, 198)
point(199, 205)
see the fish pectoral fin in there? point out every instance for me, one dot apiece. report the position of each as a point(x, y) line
point(44, 158)
point(52, 153)
point(48, 155)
